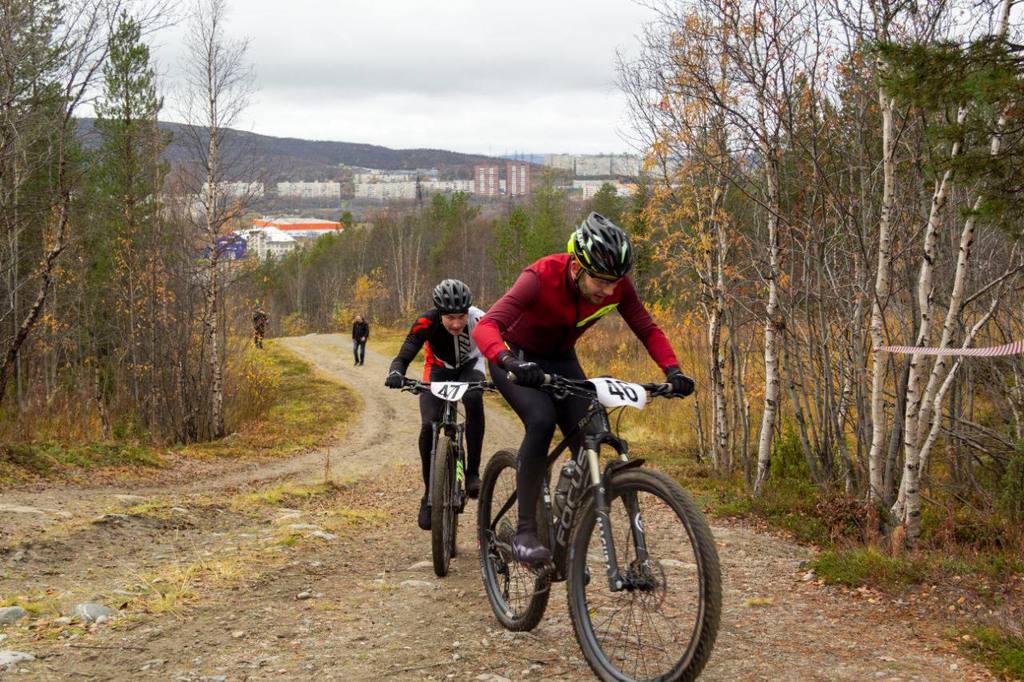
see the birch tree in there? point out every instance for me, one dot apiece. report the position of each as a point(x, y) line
point(218, 83)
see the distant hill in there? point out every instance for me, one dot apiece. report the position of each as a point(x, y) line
point(288, 158)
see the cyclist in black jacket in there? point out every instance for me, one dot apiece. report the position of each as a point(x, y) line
point(451, 355)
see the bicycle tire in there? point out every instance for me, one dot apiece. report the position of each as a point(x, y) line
point(500, 573)
point(442, 511)
point(703, 614)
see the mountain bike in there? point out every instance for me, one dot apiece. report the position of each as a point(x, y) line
point(447, 493)
point(639, 561)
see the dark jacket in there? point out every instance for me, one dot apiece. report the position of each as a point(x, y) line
point(360, 330)
point(259, 319)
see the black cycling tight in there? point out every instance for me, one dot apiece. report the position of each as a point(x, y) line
point(540, 413)
point(432, 407)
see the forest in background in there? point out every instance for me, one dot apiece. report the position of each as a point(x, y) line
point(823, 179)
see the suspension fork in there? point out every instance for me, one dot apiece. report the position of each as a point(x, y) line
point(602, 508)
point(636, 525)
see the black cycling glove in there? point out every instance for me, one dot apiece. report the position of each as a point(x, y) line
point(682, 385)
point(528, 374)
point(395, 379)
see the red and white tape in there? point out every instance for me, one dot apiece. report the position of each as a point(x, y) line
point(1015, 348)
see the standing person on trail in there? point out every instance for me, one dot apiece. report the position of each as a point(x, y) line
point(532, 331)
point(451, 355)
point(259, 325)
point(360, 333)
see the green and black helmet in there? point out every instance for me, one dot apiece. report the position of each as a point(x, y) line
point(602, 248)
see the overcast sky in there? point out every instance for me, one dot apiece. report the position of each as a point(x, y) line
point(466, 75)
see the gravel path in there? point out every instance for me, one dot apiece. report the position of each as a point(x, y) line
point(215, 582)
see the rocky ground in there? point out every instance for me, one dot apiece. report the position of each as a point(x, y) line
point(228, 571)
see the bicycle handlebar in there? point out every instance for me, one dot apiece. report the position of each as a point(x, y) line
point(414, 386)
point(555, 382)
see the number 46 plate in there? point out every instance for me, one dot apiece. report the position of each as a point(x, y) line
point(614, 393)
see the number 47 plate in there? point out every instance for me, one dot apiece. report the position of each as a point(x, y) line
point(614, 393)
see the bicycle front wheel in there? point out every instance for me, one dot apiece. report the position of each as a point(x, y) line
point(663, 625)
point(518, 595)
point(442, 513)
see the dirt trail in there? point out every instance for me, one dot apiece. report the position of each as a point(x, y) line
point(218, 577)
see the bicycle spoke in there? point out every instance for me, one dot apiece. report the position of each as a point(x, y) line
point(645, 629)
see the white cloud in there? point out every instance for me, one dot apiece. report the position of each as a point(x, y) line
point(466, 75)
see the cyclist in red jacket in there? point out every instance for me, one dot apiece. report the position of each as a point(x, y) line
point(532, 331)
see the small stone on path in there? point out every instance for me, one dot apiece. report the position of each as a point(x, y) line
point(419, 584)
point(91, 613)
point(9, 658)
point(304, 595)
point(323, 535)
point(11, 615)
point(421, 565)
point(304, 526)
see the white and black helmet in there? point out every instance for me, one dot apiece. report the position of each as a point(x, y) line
point(601, 247)
point(452, 296)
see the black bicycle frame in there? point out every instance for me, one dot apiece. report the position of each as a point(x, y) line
point(453, 429)
point(588, 464)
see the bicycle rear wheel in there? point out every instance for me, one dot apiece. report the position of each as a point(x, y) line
point(443, 512)
point(663, 625)
point(518, 596)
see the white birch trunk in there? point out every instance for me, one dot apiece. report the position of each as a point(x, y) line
point(924, 405)
point(212, 220)
point(876, 465)
point(771, 351)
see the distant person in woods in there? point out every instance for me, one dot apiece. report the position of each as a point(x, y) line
point(259, 325)
point(360, 333)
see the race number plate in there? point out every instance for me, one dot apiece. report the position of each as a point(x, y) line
point(615, 393)
point(449, 390)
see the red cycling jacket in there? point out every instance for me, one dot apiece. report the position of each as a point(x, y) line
point(543, 313)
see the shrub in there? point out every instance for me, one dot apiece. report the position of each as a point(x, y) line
point(294, 324)
point(253, 380)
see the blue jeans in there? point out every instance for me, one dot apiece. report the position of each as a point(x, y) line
point(359, 350)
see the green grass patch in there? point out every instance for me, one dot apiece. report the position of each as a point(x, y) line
point(1000, 651)
point(283, 494)
point(304, 411)
point(387, 341)
point(20, 462)
point(789, 503)
point(345, 517)
point(859, 566)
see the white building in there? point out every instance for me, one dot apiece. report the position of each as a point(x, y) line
point(588, 188)
point(385, 191)
point(593, 165)
point(565, 162)
point(310, 190)
point(437, 186)
point(589, 166)
point(238, 190)
point(269, 242)
point(371, 175)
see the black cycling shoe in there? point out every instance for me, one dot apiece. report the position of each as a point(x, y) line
point(527, 547)
point(473, 485)
point(424, 518)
